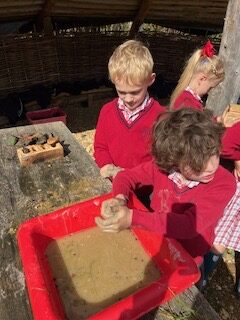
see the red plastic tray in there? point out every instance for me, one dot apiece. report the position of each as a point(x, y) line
point(178, 269)
point(46, 115)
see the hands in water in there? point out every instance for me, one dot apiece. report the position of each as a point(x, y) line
point(115, 215)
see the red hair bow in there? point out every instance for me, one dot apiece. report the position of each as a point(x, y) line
point(208, 50)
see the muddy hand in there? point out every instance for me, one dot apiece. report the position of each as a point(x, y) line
point(115, 216)
point(120, 220)
point(109, 170)
point(222, 118)
point(111, 206)
point(108, 210)
point(237, 170)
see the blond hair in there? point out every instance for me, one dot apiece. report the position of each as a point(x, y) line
point(212, 67)
point(131, 62)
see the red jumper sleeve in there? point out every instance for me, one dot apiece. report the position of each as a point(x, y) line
point(101, 149)
point(128, 180)
point(231, 143)
point(204, 213)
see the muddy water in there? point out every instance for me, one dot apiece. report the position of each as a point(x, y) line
point(93, 270)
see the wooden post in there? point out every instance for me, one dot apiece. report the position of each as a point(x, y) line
point(142, 12)
point(229, 90)
point(43, 20)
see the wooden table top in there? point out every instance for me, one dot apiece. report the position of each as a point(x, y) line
point(41, 188)
point(37, 189)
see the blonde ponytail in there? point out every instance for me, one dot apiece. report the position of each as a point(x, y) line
point(186, 76)
point(212, 67)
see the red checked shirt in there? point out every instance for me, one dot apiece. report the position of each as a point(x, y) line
point(182, 182)
point(227, 230)
point(129, 115)
point(120, 143)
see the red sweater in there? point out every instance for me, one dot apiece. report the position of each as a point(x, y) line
point(188, 215)
point(185, 100)
point(231, 143)
point(122, 144)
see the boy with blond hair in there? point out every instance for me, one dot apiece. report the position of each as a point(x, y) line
point(122, 138)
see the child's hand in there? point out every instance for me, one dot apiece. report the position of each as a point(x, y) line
point(109, 170)
point(111, 206)
point(227, 120)
point(116, 216)
point(237, 169)
point(223, 117)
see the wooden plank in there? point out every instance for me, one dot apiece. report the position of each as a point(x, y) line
point(138, 20)
point(13, 297)
point(43, 19)
point(229, 90)
point(9, 179)
point(14, 303)
point(67, 180)
point(33, 190)
point(63, 181)
point(190, 304)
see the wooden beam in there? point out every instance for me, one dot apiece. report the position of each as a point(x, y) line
point(142, 12)
point(229, 90)
point(43, 20)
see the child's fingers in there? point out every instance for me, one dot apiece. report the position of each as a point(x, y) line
point(224, 114)
point(106, 171)
point(115, 171)
point(106, 225)
point(100, 222)
point(236, 173)
point(225, 111)
point(110, 207)
point(106, 222)
point(234, 121)
point(106, 210)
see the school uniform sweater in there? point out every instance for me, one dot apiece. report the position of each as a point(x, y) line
point(188, 214)
point(231, 143)
point(187, 100)
point(122, 144)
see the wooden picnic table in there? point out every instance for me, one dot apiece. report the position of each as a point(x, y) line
point(41, 188)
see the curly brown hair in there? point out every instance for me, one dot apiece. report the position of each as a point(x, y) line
point(185, 138)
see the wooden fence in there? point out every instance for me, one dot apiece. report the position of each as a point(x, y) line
point(28, 59)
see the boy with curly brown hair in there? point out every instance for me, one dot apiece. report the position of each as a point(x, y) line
point(187, 183)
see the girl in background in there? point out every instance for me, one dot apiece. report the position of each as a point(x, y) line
point(203, 71)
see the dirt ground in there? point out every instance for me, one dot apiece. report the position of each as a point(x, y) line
point(220, 293)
